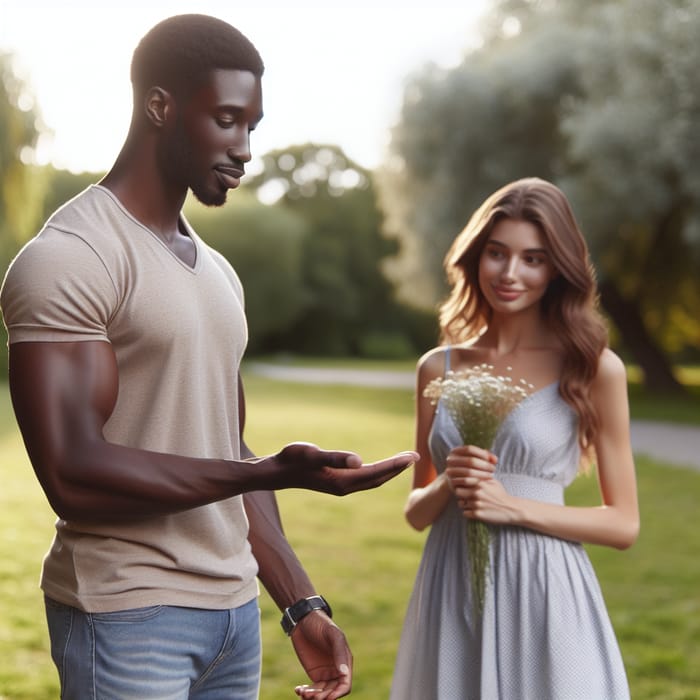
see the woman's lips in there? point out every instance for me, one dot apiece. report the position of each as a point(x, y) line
point(507, 294)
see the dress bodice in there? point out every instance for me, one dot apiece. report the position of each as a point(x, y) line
point(538, 439)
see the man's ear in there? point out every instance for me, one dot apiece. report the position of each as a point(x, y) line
point(159, 104)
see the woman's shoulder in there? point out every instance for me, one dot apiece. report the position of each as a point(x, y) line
point(438, 360)
point(610, 367)
point(433, 361)
point(610, 382)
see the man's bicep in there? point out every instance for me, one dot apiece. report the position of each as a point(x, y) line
point(62, 394)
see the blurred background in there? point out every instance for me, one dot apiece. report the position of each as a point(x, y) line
point(386, 124)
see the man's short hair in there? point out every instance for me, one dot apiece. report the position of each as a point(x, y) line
point(178, 53)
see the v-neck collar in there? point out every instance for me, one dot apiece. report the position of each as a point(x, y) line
point(193, 269)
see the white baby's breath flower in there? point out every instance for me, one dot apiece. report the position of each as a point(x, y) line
point(478, 402)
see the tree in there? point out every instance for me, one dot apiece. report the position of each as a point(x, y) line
point(549, 94)
point(20, 188)
point(350, 307)
point(635, 172)
point(62, 185)
point(464, 132)
point(19, 130)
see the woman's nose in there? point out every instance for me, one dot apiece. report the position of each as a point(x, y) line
point(510, 270)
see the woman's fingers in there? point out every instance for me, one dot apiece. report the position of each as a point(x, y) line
point(465, 452)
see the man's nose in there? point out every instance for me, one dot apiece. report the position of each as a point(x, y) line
point(240, 147)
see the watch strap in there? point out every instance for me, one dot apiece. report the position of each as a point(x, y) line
point(300, 609)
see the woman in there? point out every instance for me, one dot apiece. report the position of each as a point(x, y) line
point(523, 301)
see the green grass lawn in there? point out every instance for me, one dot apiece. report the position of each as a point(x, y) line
point(643, 405)
point(363, 557)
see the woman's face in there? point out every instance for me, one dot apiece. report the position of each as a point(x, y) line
point(515, 267)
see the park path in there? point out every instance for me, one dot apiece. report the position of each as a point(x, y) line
point(668, 442)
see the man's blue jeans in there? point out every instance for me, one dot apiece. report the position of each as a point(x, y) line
point(156, 653)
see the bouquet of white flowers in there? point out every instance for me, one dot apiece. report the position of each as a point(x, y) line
point(478, 401)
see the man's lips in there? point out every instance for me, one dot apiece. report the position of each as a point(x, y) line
point(230, 176)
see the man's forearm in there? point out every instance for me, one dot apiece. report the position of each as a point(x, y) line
point(280, 572)
point(112, 482)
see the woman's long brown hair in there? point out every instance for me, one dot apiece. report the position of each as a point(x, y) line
point(570, 303)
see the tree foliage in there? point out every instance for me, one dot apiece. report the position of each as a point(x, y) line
point(19, 185)
point(635, 167)
point(62, 185)
point(598, 97)
point(349, 306)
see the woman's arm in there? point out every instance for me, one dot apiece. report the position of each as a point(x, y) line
point(615, 522)
point(430, 493)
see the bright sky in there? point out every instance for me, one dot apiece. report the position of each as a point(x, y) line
point(334, 69)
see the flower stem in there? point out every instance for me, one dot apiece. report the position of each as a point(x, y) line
point(478, 539)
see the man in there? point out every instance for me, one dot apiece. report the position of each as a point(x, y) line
point(126, 334)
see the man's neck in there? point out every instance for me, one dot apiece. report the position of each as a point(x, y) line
point(139, 186)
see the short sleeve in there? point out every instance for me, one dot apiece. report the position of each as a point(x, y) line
point(57, 289)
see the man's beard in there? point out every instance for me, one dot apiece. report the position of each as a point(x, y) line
point(175, 156)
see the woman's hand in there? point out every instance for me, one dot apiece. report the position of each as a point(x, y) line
point(488, 502)
point(470, 471)
point(467, 466)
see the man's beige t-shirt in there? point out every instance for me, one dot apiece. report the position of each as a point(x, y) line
point(178, 333)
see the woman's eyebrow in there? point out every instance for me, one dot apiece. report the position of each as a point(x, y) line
point(527, 250)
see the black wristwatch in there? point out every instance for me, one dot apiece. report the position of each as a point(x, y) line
point(301, 608)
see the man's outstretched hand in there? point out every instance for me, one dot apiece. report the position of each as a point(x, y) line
point(306, 466)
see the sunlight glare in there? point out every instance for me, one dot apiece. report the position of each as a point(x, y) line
point(334, 71)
